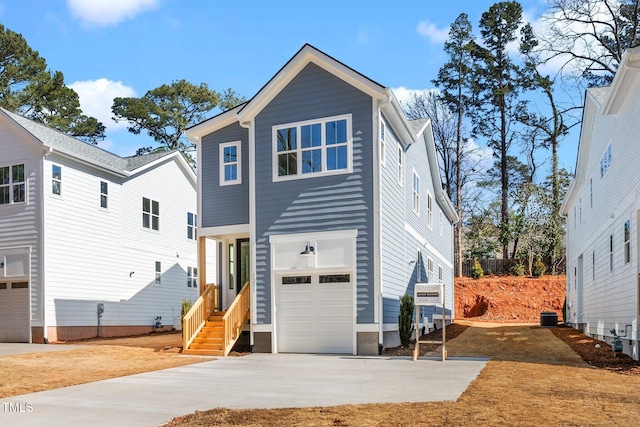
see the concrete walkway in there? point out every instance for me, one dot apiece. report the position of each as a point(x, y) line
point(254, 381)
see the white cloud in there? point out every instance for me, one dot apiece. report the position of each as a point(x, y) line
point(96, 99)
point(103, 13)
point(433, 33)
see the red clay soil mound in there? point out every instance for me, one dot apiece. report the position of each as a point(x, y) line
point(509, 298)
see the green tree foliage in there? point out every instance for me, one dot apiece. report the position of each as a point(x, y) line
point(497, 84)
point(405, 320)
point(166, 111)
point(476, 270)
point(455, 77)
point(28, 88)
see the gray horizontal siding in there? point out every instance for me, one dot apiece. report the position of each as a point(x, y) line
point(229, 204)
point(326, 203)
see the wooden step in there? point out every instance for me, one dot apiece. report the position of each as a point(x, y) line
point(199, 352)
point(205, 346)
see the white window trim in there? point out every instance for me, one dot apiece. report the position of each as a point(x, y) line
point(238, 163)
point(415, 192)
point(605, 161)
point(322, 121)
point(53, 165)
point(158, 273)
point(419, 266)
point(193, 227)
point(11, 184)
point(151, 214)
point(441, 224)
point(101, 194)
point(626, 247)
point(430, 270)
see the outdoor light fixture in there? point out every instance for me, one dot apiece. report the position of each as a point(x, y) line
point(308, 250)
point(131, 273)
point(1, 264)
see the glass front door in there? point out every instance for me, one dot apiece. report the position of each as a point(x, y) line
point(243, 263)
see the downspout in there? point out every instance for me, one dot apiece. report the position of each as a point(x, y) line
point(43, 287)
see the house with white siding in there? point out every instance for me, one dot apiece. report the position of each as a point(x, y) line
point(327, 207)
point(602, 207)
point(82, 228)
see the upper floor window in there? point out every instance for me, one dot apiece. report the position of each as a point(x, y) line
point(56, 179)
point(429, 211)
point(382, 143)
point(104, 194)
point(230, 166)
point(627, 242)
point(192, 220)
point(605, 161)
point(591, 192)
point(416, 193)
point(441, 224)
point(439, 274)
point(192, 277)
point(430, 277)
point(419, 266)
point(312, 148)
point(12, 184)
point(150, 214)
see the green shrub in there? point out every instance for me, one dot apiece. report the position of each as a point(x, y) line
point(186, 306)
point(405, 320)
point(538, 269)
point(476, 270)
point(517, 270)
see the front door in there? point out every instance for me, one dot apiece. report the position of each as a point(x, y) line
point(242, 265)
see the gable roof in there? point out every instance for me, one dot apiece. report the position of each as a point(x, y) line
point(604, 100)
point(56, 141)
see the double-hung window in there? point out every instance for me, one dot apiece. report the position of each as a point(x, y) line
point(312, 148)
point(104, 194)
point(430, 276)
point(230, 165)
point(56, 179)
point(12, 184)
point(158, 272)
point(416, 193)
point(150, 214)
point(192, 220)
point(192, 277)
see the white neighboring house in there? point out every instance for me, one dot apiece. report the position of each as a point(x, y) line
point(81, 227)
point(602, 208)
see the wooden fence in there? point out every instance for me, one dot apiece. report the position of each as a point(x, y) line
point(503, 266)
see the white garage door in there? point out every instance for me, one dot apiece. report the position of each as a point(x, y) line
point(315, 314)
point(14, 312)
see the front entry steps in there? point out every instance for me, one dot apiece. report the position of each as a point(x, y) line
point(210, 339)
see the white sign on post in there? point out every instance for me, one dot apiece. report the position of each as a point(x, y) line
point(429, 294)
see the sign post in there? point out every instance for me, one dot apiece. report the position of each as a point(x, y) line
point(430, 294)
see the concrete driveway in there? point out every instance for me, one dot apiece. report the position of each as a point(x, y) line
point(254, 381)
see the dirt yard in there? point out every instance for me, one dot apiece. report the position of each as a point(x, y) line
point(509, 298)
point(533, 379)
point(98, 359)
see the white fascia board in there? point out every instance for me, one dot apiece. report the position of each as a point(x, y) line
point(195, 133)
point(623, 81)
point(584, 146)
point(305, 56)
point(396, 117)
point(94, 165)
point(434, 168)
point(179, 158)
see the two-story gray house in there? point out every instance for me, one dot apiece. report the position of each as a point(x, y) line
point(327, 201)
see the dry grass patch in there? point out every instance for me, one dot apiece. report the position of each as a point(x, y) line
point(533, 379)
point(98, 360)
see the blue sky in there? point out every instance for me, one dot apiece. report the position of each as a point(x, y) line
point(108, 48)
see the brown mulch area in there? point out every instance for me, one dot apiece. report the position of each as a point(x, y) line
point(453, 331)
point(599, 357)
